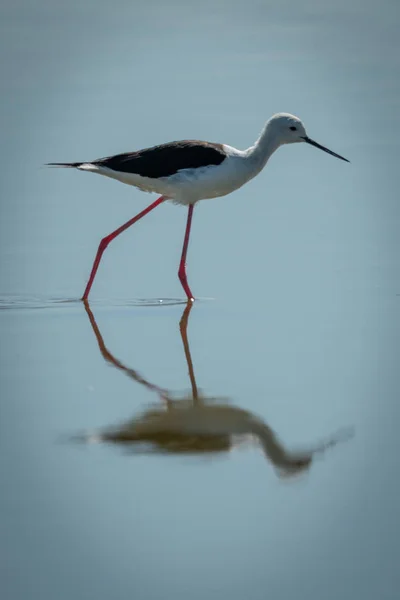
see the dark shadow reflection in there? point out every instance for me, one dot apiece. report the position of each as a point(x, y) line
point(197, 424)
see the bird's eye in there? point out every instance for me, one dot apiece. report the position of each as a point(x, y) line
point(293, 128)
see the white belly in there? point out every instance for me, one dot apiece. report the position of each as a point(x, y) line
point(191, 185)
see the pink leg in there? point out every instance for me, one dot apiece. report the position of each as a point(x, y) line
point(109, 238)
point(182, 264)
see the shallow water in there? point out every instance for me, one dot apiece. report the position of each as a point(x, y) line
point(297, 321)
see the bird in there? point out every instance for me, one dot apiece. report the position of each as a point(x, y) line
point(187, 171)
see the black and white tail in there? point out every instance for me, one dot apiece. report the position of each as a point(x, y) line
point(74, 165)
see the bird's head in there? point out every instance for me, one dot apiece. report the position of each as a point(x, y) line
point(288, 129)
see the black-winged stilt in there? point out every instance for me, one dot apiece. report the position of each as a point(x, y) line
point(187, 171)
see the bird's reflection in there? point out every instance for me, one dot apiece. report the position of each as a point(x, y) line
point(197, 424)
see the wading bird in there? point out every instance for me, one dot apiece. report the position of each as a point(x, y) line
point(187, 171)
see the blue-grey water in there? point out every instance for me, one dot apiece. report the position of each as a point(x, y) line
point(298, 319)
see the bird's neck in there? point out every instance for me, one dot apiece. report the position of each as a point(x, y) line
point(266, 144)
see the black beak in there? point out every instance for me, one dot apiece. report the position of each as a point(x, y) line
point(309, 141)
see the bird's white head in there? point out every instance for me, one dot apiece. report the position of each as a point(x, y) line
point(288, 129)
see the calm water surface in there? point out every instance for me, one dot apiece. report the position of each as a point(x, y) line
point(297, 322)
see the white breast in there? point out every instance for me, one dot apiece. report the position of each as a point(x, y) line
point(191, 185)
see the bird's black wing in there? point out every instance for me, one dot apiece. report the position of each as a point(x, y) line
point(165, 160)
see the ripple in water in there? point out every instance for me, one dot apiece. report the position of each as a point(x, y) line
point(14, 302)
